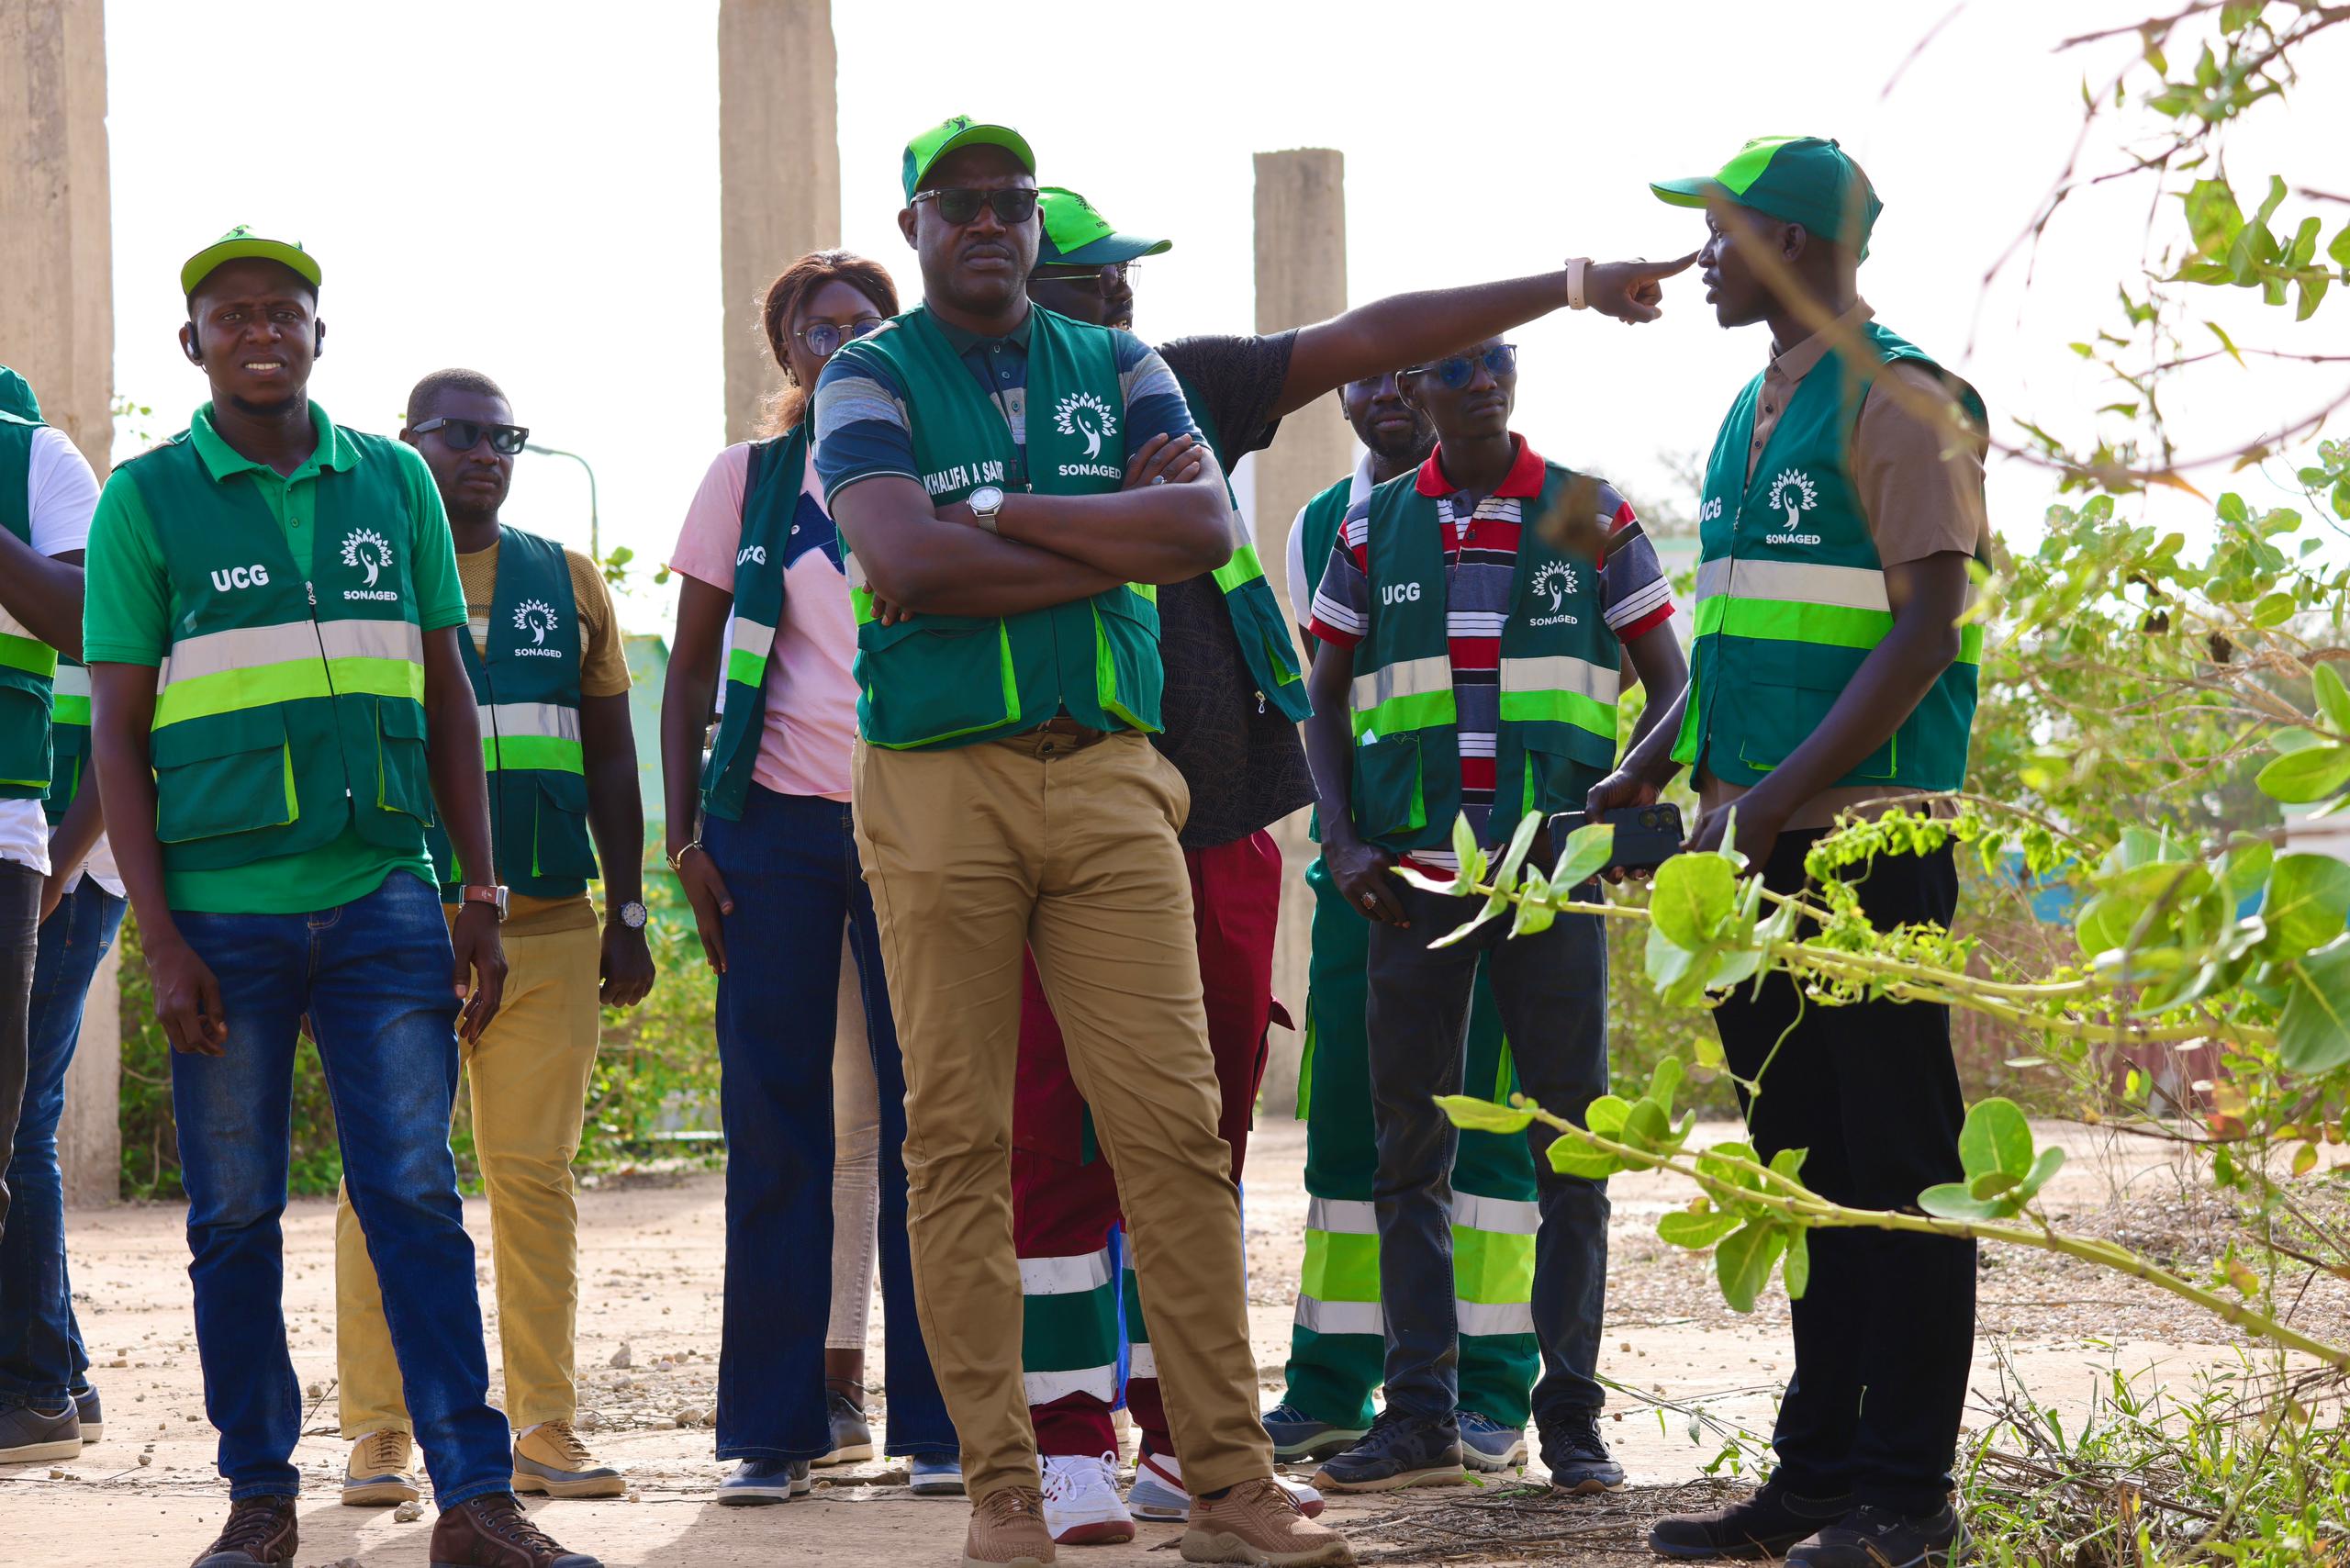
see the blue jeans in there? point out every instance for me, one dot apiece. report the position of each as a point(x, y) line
point(374, 977)
point(41, 1359)
point(1551, 992)
point(791, 862)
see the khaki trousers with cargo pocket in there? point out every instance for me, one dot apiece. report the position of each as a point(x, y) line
point(1068, 850)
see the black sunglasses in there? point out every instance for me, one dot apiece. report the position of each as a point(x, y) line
point(461, 434)
point(1108, 279)
point(1455, 371)
point(823, 339)
point(959, 205)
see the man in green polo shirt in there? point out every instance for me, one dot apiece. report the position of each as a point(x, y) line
point(1843, 509)
point(279, 709)
point(1021, 482)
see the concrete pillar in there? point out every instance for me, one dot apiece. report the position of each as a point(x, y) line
point(779, 172)
point(1300, 278)
point(57, 329)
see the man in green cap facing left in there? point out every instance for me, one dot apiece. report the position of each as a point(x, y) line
point(1842, 516)
point(279, 711)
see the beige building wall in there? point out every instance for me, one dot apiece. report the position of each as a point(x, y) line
point(780, 173)
point(57, 330)
point(1300, 278)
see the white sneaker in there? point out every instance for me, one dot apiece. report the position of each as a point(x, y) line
point(1158, 1491)
point(1081, 1505)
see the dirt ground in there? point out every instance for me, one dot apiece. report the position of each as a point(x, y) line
point(653, 1261)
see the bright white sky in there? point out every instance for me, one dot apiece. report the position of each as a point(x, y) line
point(530, 187)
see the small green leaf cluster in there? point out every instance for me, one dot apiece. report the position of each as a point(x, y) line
point(2004, 1173)
point(1536, 894)
point(1705, 926)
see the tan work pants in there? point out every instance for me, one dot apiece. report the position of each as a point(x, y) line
point(529, 1077)
point(973, 854)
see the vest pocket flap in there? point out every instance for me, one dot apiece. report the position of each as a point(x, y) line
point(222, 774)
point(565, 792)
point(1773, 720)
point(563, 849)
point(873, 636)
point(403, 776)
point(1389, 795)
point(1563, 762)
point(1128, 605)
point(403, 721)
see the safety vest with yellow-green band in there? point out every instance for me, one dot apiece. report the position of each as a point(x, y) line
point(526, 692)
point(27, 665)
point(285, 710)
point(69, 732)
point(1559, 674)
point(1319, 520)
point(1791, 594)
point(946, 680)
point(771, 492)
point(1258, 625)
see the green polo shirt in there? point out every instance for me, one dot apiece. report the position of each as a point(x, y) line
point(126, 619)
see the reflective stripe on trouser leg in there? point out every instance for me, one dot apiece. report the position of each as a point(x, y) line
point(1069, 1341)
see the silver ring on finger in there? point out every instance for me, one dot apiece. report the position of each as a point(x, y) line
point(1159, 478)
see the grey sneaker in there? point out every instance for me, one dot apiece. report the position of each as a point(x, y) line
point(1298, 1436)
point(1399, 1451)
point(852, 1434)
point(29, 1436)
point(93, 1421)
point(1488, 1445)
point(758, 1482)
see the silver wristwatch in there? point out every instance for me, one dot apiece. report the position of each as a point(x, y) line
point(986, 501)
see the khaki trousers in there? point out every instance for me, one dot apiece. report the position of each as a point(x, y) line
point(529, 1077)
point(974, 855)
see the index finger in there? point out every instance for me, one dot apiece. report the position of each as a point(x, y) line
point(1666, 269)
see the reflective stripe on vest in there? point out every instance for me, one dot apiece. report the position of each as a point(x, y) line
point(1562, 690)
point(543, 735)
point(19, 649)
point(747, 645)
point(71, 693)
point(1801, 601)
point(1411, 694)
point(1492, 1254)
point(256, 667)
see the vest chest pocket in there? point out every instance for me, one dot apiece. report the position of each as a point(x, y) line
point(1773, 720)
point(1128, 677)
point(1561, 764)
point(403, 775)
point(222, 774)
point(933, 677)
point(1390, 795)
point(564, 850)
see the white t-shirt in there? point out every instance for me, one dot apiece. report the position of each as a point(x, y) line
point(61, 493)
point(1302, 583)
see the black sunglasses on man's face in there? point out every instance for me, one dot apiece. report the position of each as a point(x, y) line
point(958, 205)
point(461, 434)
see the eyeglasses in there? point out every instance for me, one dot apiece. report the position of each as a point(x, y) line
point(1456, 371)
point(959, 205)
point(463, 434)
point(1110, 279)
point(823, 339)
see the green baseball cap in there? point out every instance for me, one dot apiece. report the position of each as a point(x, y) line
point(239, 244)
point(1076, 235)
point(1799, 179)
point(962, 130)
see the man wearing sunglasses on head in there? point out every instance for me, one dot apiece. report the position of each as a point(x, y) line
point(1020, 483)
point(1234, 695)
point(1473, 620)
point(279, 712)
point(550, 681)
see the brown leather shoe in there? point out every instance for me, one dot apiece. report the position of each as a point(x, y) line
point(259, 1531)
point(1258, 1522)
point(1008, 1530)
point(493, 1531)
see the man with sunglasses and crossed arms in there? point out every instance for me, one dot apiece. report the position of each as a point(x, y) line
point(1234, 696)
point(550, 681)
point(279, 711)
point(1475, 616)
point(1020, 482)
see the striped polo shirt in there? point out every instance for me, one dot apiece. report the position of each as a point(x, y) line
point(1479, 565)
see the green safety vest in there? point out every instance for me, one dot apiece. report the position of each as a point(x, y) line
point(1791, 595)
point(771, 489)
point(285, 710)
point(938, 680)
point(1319, 520)
point(1559, 673)
point(526, 689)
point(69, 729)
point(27, 665)
point(1258, 624)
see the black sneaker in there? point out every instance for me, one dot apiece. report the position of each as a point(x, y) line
point(260, 1534)
point(1886, 1538)
point(1764, 1524)
point(1399, 1451)
point(93, 1420)
point(29, 1436)
point(1576, 1457)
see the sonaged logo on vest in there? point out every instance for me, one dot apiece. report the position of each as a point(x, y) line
point(371, 552)
point(1793, 493)
point(536, 617)
point(1081, 413)
point(1554, 582)
point(226, 577)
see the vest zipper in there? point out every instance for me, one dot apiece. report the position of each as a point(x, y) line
point(310, 590)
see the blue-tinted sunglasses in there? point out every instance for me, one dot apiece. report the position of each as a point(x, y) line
point(1454, 372)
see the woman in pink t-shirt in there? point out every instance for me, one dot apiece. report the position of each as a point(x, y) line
point(760, 837)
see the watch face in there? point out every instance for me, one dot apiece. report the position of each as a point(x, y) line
point(632, 915)
point(987, 498)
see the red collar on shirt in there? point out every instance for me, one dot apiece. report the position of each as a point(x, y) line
point(1525, 478)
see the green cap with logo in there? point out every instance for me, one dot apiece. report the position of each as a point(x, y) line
point(952, 135)
point(1077, 235)
point(1798, 179)
point(240, 242)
